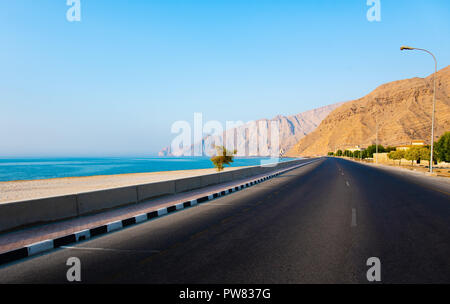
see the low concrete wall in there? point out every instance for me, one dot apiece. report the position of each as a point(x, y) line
point(106, 199)
point(19, 214)
point(239, 174)
point(256, 170)
point(225, 177)
point(148, 191)
point(185, 184)
point(210, 179)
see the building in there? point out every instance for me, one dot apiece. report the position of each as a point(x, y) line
point(403, 148)
point(414, 143)
point(418, 143)
point(356, 148)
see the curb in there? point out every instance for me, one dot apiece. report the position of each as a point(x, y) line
point(47, 245)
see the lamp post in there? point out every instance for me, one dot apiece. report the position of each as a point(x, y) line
point(360, 149)
point(376, 143)
point(408, 48)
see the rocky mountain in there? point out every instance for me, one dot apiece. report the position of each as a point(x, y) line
point(291, 130)
point(401, 109)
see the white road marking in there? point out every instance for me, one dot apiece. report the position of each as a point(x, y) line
point(109, 249)
point(353, 217)
point(216, 204)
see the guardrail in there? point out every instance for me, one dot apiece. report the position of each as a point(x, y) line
point(31, 212)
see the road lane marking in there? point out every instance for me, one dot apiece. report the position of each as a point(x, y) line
point(217, 204)
point(353, 217)
point(148, 259)
point(109, 249)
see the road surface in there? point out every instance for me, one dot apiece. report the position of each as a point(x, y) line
point(315, 224)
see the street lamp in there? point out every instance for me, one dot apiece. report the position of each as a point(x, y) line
point(408, 48)
point(376, 144)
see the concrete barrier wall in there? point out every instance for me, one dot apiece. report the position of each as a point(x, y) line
point(239, 174)
point(26, 213)
point(20, 214)
point(106, 199)
point(225, 177)
point(255, 171)
point(185, 184)
point(152, 190)
point(210, 179)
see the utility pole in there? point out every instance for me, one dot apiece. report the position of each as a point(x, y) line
point(408, 48)
point(376, 148)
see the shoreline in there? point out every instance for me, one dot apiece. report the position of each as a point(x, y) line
point(21, 190)
point(35, 175)
point(111, 175)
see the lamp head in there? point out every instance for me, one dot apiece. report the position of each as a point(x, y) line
point(406, 48)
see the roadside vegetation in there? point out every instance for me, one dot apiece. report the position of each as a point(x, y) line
point(443, 148)
point(223, 157)
point(414, 154)
point(368, 153)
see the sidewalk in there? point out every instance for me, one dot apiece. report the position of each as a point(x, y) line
point(18, 239)
point(407, 170)
point(436, 183)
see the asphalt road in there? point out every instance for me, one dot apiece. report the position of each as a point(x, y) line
point(316, 224)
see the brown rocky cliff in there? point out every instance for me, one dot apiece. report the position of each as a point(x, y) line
point(292, 128)
point(403, 110)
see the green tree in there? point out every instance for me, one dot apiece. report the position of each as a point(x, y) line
point(389, 149)
point(397, 155)
point(425, 153)
point(330, 153)
point(339, 153)
point(357, 154)
point(223, 157)
point(364, 154)
point(443, 148)
point(348, 153)
point(373, 148)
point(414, 154)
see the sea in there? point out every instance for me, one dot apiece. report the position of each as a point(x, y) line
point(13, 169)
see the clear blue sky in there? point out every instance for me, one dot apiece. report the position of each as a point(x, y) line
point(114, 83)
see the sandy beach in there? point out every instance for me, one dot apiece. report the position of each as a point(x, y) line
point(14, 191)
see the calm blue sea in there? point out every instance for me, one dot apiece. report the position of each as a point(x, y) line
point(43, 168)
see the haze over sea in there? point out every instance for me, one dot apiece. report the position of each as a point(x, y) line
point(44, 168)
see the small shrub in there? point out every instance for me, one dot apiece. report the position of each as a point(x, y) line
point(223, 157)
